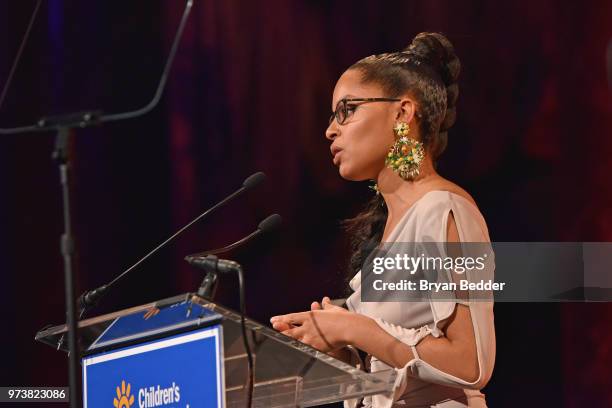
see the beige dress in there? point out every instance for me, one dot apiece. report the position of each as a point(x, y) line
point(418, 384)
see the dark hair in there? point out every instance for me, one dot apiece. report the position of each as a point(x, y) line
point(428, 70)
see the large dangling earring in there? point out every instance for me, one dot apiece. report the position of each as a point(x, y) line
point(406, 154)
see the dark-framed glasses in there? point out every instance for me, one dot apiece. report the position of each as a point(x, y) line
point(344, 109)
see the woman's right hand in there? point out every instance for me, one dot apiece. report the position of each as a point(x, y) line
point(282, 326)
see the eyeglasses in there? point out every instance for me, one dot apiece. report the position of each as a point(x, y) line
point(344, 109)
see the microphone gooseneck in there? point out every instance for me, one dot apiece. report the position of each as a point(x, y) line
point(266, 226)
point(90, 298)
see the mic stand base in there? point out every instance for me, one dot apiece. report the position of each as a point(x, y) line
point(208, 287)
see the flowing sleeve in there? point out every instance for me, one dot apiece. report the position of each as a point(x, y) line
point(472, 228)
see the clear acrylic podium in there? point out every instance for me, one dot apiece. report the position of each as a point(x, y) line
point(287, 373)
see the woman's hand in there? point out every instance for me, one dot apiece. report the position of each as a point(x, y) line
point(324, 327)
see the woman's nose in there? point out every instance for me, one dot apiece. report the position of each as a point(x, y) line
point(332, 131)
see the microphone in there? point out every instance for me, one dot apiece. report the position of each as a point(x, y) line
point(212, 265)
point(269, 224)
point(91, 298)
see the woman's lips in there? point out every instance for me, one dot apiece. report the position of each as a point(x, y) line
point(335, 151)
point(336, 159)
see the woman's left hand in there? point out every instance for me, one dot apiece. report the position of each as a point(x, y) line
point(324, 329)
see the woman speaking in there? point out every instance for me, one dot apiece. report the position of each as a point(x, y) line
point(391, 115)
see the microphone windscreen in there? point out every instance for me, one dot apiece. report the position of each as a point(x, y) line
point(270, 223)
point(254, 179)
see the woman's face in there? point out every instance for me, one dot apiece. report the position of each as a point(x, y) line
point(360, 145)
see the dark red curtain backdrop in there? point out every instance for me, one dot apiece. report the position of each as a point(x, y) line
point(251, 91)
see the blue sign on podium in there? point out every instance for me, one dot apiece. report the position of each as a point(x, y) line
point(181, 370)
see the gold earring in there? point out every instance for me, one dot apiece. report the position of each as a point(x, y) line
point(406, 154)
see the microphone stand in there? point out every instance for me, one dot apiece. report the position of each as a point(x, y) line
point(62, 156)
point(212, 267)
point(64, 126)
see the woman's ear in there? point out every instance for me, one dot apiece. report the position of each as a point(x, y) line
point(406, 110)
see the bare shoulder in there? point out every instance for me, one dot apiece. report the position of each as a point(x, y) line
point(444, 184)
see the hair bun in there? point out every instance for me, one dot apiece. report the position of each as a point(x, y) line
point(437, 51)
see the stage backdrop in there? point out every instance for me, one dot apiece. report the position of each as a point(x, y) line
point(251, 91)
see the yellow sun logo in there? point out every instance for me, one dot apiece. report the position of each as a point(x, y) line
point(124, 399)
